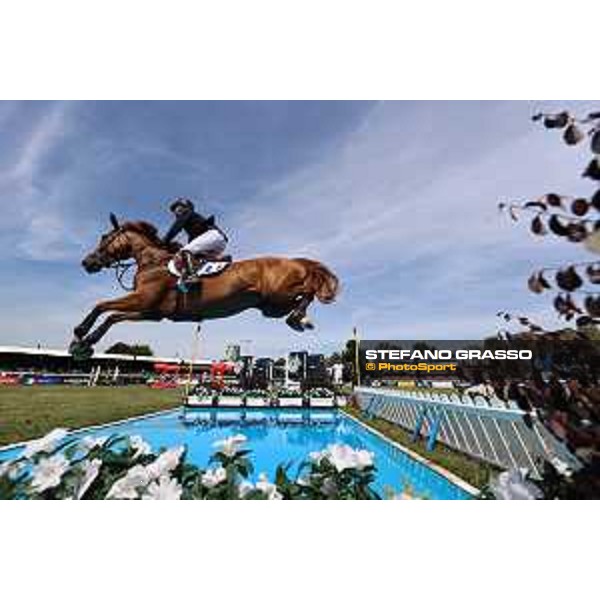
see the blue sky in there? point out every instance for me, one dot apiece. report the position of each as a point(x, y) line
point(399, 198)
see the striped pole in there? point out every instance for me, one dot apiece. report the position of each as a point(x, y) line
point(193, 359)
point(356, 361)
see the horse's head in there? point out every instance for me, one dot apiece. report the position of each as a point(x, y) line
point(114, 245)
point(123, 242)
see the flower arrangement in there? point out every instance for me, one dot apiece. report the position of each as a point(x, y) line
point(288, 393)
point(202, 391)
point(232, 391)
point(321, 392)
point(258, 393)
point(125, 468)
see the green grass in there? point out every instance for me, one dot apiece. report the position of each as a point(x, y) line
point(470, 470)
point(29, 412)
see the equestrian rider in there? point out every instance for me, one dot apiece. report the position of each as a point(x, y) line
point(205, 239)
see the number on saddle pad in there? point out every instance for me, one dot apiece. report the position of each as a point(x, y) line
point(212, 268)
point(207, 269)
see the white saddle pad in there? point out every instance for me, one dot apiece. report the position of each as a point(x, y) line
point(208, 268)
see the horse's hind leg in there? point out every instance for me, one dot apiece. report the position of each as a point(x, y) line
point(297, 319)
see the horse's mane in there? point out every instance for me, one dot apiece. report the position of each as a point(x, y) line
point(151, 233)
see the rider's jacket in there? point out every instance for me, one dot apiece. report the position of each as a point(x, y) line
point(193, 224)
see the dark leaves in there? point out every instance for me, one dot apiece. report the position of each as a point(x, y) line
point(595, 142)
point(553, 200)
point(538, 227)
point(557, 227)
point(592, 305)
point(568, 279)
point(557, 121)
point(537, 283)
point(596, 200)
point(579, 207)
point(573, 135)
point(592, 171)
point(564, 305)
point(535, 204)
point(576, 232)
point(593, 274)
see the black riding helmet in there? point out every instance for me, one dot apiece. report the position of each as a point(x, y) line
point(181, 202)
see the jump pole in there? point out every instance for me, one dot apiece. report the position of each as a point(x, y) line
point(356, 361)
point(193, 359)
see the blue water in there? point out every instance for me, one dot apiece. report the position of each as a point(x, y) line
point(280, 436)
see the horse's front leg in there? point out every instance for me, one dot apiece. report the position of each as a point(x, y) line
point(129, 303)
point(118, 317)
point(81, 330)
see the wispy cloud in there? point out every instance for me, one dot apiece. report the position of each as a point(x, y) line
point(398, 198)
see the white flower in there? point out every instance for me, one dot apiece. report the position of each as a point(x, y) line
point(9, 468)
point(563, 468)
point(91, 468)
point(165, 489)
point(44, 444)
point(512, 485)
point(317, 456)
point(89, 442)
point(138, 444)
point(230, 445)
point(268, 488)
point(213, 477)
point(126, 488)
point(364, 459)
point(48, 472)
point(245, 488)
point(166, 462)
point(344, 457)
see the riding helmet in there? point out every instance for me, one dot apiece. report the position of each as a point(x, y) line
point(185, 202)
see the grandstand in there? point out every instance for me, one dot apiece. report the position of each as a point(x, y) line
point(28, 365)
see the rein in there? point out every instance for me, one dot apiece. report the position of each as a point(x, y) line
point(121, 268)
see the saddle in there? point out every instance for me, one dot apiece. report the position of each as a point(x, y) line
point(202, 268)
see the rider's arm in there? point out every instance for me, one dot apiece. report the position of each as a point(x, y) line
point(177, 226)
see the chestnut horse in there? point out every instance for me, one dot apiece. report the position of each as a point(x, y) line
point(278, 287)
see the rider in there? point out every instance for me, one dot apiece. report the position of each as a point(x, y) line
point(206, 240)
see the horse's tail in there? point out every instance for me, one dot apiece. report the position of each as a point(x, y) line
point(325, 284)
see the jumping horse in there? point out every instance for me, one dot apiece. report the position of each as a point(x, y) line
point(278, 287)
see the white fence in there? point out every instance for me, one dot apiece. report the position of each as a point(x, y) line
point(485, 428)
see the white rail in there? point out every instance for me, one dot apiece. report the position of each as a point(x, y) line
point(483, 427)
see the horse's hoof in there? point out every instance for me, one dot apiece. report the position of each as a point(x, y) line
point(306, 323)
point(80, 350)
point(295, 324)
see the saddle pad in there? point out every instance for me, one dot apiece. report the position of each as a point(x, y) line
point(207, 269)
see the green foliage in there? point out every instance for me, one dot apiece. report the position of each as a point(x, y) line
point(131, 349)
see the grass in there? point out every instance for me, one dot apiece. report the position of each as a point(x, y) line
point(30, 412)
point(469, 469)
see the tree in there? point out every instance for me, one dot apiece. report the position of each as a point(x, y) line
point(567, 401)
point(575, 219)
point(131, 349)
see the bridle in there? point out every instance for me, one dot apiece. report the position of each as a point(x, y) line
point(121, 265)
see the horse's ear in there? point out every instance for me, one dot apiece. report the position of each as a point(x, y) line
point(114, 221)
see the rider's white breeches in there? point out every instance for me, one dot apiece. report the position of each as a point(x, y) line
point(210, 244)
